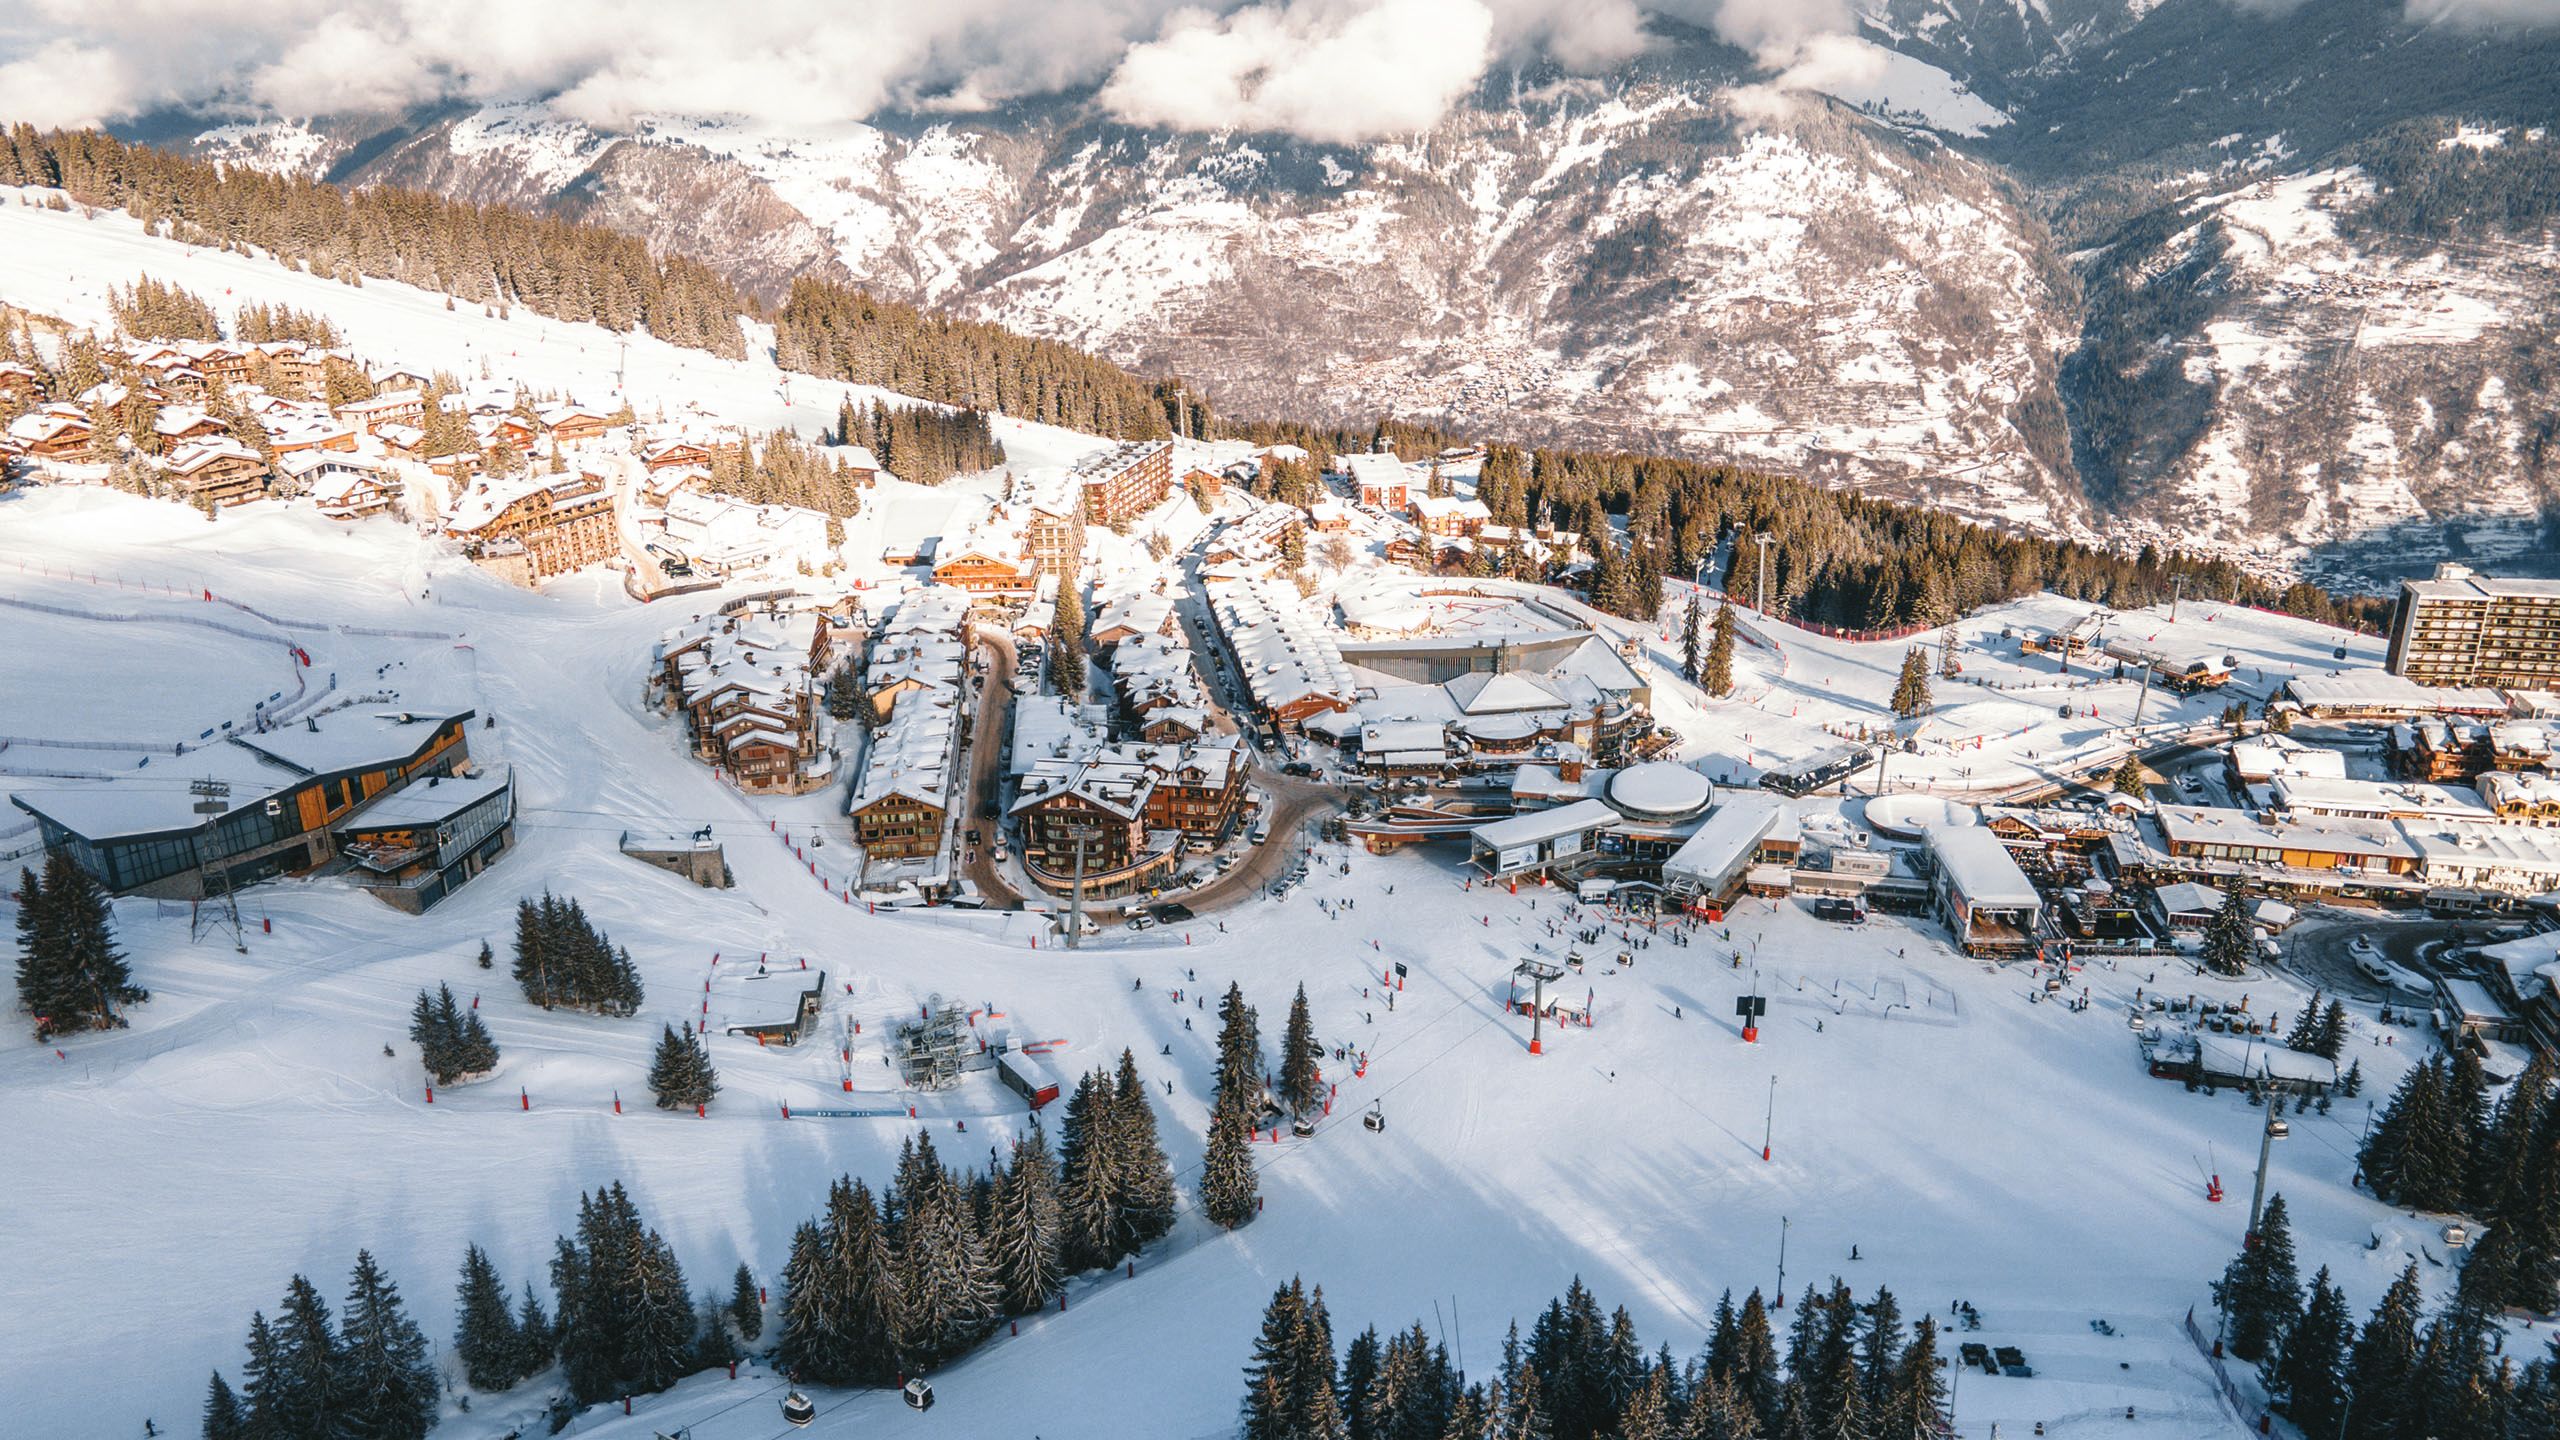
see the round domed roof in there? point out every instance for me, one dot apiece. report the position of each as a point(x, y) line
point(1660, 790)
point(1909, 816)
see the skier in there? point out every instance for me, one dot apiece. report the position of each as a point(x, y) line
point(1676, 1015)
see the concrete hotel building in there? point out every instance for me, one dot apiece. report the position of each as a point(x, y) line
point(2462, 628)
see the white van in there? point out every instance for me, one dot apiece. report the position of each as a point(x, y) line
point(1261, 830)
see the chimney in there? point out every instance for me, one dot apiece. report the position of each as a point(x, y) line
point(1570, 768)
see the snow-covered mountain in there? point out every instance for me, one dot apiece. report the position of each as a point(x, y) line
point(2075, 264)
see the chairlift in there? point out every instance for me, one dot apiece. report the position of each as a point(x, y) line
point(1302, 1128)
point(797, 1409)
point(1375, 1120)
point(2279, 1129)
point(919, 1394)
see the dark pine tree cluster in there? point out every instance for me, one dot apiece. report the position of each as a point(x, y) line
point(626, 1324)
point(1852, 1370)
point(71, 976)
point(2404, 1376)
point(782, 469)
point(452, 1041)
point(563, 960)
point(259, 323)
point(2319, 1030)
point(835, 330)
point(922, 444)
point(880, 1288)
point(1229, 1188)
point(681, 1075)
point(485, 254)
point(307, 1378)
point(151, 310)
point(499, 1348)
point(2440, 1146)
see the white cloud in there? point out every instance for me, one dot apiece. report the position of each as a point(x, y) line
point(1327, 69)
point(1324, 69)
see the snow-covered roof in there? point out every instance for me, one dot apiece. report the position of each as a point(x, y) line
point(1981, 868)
point(431, 801)
point(2240, 1057)
point(1539, 826)
point(2382, 690)
point(2186, 897)
point(1732, 833)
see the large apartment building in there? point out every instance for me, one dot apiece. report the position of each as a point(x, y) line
point(2462, 628)
point(1125, 481)
point(532, 527)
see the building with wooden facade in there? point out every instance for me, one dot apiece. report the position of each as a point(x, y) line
point(222, 471)
point(415, 846)
point(533, 527)
point(1125, 481)
point(246, 807)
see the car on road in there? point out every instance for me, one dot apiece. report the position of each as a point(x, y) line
point(973, 834)
point(2364, 948)
point(1301, 769)
point(2190, 785)
point(1141, 920)
point(1172, 912)
point(987, 809)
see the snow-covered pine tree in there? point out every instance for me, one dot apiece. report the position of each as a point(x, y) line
point(484, 1333)
point(433, 1040)
point(534, 962)
point(261, 1383)
point(1315, 1399)
point(681, 1075)
point(537, 1339)
point(301, 1384)
point(2128, 778)
point(1911, 687)
point(1229, 1188)
point(1239, 1048)
point(2306, 1026)
point(1716, 678)
point(1024, 1230)
point(1880, 1347)
point(1755, 1364)
point(955, 1296)
point(2260, 1292)
point(2330, 1040)
point(865, 1276)
point(1088, 1201)
point(1916, 1406)
point(1140, 1172)
point(1271, 1377)
point(2306, 1376)
point(71, 976)
point(661, 1334)
point(1301, 1056)
point(812, 1342)
point(387, 1387)
point(1359, 1373)
point(746, 1310)
point(2229, 941)
point(1693, 640)
point(224, 1416)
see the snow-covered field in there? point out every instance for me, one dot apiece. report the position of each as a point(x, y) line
point(248, 1126)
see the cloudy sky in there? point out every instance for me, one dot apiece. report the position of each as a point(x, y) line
point(1333, 70)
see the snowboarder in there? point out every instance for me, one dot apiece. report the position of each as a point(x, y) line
point(1853, 1252)
point(1676, 1015)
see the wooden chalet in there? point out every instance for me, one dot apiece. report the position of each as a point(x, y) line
point(223, 471)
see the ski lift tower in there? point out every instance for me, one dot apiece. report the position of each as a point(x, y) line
point(212, 799)
point(935, 1049)
point(1539, 973)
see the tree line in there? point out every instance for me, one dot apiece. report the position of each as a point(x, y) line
point(783, 469)
point(2440, 1146)
point(2404, 1376)
point(563, 961)
point(1852, 1371)
point(921, 444)
point(876, 1289)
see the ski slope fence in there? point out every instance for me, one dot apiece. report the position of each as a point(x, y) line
point(192, 592)
point(2252, 1416)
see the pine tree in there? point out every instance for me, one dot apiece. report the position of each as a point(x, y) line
point(1024, 1230)
point(1755, 1366)
point(1088, 1201)
point(388, 1388)
point(484, 1333)
point(1314, 1400)
point(300, 1384)
point(2306, 1026)
point(1140, 1173)
point(2128, 778)
point(2330, 1040)
point(1229, 1187)
point(2307, 1376)
point(1916, 1407)
point(746, 1309)
point(2260, 1292)
point(1066, 639)
point(1301, 1080)
point(71, 977)
point(224, 1418)
point(1359, 1376)
point(1693, 655)
point(434, 1043)
point(1239, 1051)
point(2229, 941)
point(1271, 1378)
point(262, 1382)
point(681, 1075)
point(864, 1275)
point(1880, 1353)
point(661, 1320)
point(537, 1341)
point(1716, 675)
point(1911, 688)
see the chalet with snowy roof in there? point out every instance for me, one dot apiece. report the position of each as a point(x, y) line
point(20, 384)
point(293, 433)
point(1381, 481)
point(1126, 481)
point(901, 802)
point(387, 407)
point(1290, 662)
point(1258, 537)
point(220, 360)
point(532, 527)
point(670, 454)
point(408, 442)
point(342, 486)
point(746, 680)
point(504, 428)
point(56, 432)
point(222, 471)
point(1206, 483)
point(282, 793)
point(1329, 517)
point(573, 424)
point(1129, 616)
point(2521, 798)
point(397, 377)
point(1137, 800)
point(176, 424)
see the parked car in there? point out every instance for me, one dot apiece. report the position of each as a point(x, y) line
point(973, 834)
point(1141, 920)
point(2364, 948)
point(1172, 912)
